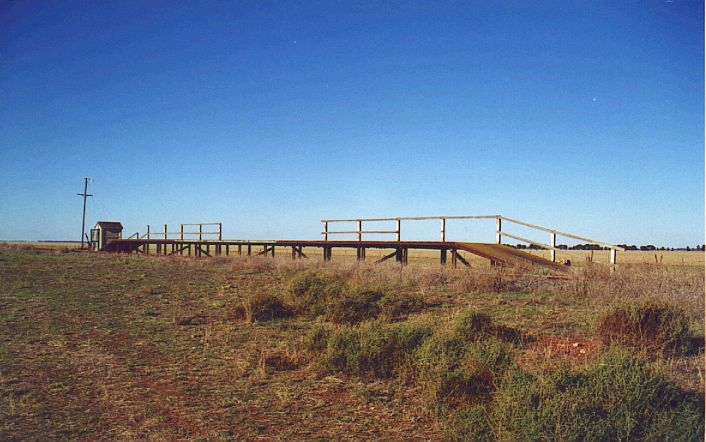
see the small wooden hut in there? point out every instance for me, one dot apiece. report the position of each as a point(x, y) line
point(104, 232)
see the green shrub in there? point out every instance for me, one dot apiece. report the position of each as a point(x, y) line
point(471, 325)
point(314, 294)
point(618, 397)
point(469, 424)
point(265, 307)
point(374, 348)
point(396, 306)
point(650, 326)
point(458, 373)
point(311, 292)
point(354, 306)
point(316, 340)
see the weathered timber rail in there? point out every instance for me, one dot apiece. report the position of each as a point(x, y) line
point(497, 254)
point(191, 242)
point(499, 232)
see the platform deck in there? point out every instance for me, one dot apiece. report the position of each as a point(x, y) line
point(497, 254)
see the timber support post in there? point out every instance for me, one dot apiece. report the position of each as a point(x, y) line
point(400, 255)
point(461, 258)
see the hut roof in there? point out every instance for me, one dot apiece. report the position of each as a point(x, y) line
point(109, 225)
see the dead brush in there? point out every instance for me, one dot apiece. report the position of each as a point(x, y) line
point(259, 264)
point(482, 281)
point(644, 282)
point(435, 276)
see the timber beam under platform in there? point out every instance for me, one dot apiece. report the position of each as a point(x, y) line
point(497, 254)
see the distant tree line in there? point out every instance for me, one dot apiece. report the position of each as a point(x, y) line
point(647, 248)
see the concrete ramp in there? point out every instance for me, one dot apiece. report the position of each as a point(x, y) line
point(507, 255)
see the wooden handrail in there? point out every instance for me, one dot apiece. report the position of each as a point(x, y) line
point(529, 241)
point(568, 235)
point(498, 230)
point(410, 218)
point(185, 233)
point(337, 232)
point(181, 233)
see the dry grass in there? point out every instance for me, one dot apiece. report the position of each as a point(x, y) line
point(125, 346)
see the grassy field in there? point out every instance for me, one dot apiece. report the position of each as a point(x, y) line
point(123, 346)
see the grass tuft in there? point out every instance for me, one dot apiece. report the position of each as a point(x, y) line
point(459, 373)
point(265, 307)
point(374, 348)
point(311, 292)
point(469, 423)
point(315, 294)
point(354, 306)
point(618, 397)
point(647, 325)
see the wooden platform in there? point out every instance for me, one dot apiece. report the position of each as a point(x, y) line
point(497, 254)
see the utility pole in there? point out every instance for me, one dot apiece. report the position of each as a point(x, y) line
point(85, 195)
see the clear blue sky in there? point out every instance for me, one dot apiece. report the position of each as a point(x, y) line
point(584, 116)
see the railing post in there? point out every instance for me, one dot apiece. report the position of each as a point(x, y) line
point(165, 231)
point(498, 230)
point(181, 232)
point(220, 231)
point(148, 231)
point(325, 231)
point(443, 229)
point(200, 228)
point(613, 256)
point(360, 230)
point(552, 242)
point(399, 225)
